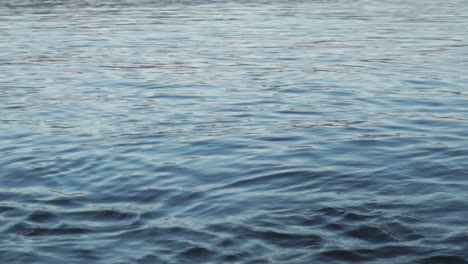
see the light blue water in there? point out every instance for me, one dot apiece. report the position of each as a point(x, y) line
point(226, 131)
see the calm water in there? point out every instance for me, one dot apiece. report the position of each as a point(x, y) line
point(227, 131)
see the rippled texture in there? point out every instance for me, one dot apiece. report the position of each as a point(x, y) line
point(226, 131)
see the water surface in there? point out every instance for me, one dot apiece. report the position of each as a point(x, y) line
point(228, 131)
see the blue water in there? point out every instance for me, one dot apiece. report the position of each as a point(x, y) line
point(233, 131)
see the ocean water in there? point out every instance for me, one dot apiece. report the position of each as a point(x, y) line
point(233, 131)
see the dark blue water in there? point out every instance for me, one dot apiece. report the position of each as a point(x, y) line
point(226, 131)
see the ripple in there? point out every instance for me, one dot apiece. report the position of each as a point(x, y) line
point(372, 234)
point(343, 255)
point(29, 230)
point(233, 131)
